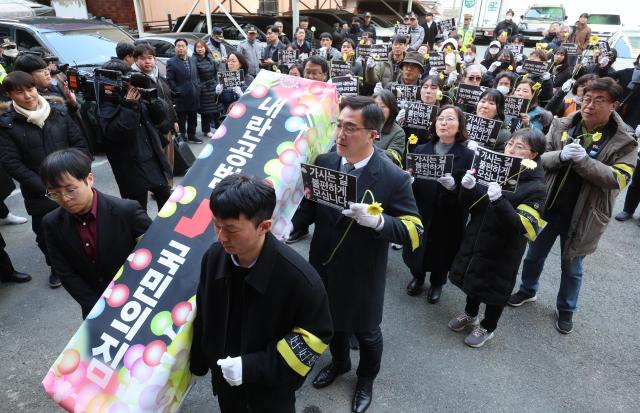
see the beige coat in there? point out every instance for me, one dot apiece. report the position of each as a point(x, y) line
point(603, 179)
point(581, 36)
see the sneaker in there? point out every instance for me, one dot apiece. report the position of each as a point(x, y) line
point(462, 321)
point(297, 236)
point(478, 337)
point(396, 247)
point(519, 298)
point(193, 139)
point(54, 281)
point(624, 216)
point(564, 322)
point(11, 219)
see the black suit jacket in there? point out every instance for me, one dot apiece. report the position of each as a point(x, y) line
point(184, 84)
point(355, 277)
point(430, 33)
point(120, 223)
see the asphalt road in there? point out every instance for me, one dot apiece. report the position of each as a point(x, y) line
point(527, 367)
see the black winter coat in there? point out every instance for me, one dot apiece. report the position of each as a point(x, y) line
point(285, 324)
point(133, 145)
point(23, 147)
point(443, 216)
point(487, 263)
point(184, 84)
point(208, 78)
point(356, 276)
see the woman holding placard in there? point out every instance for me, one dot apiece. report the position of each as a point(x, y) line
point(430, 92)
point(486, 266)
point(209, 108)
point(491, 106)
point(537, 117)
point(561, 71)
point(235, 62)
point(348, 54)
point(437, 201)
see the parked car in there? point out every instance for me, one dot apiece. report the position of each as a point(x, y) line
point(37, 8)
point(197, 23)
point(604, 25)
point(537, 19)
point(627, 44)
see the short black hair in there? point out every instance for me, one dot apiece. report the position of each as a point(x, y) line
point(303, 19)
point(117, 64)
point(273, 28)
point(351, 42)
point(497, 97)
point(399, 38)
point(372, 115)
point(389, 99)
point(18, 80)
point(582, 81)
point(533, 137)
point(509, 75)
point(241, 194)
point(604, 83)
point(124, 49)
point(180, 39)
point(29, 63)
point(69, 161)
point(318, 61)
point(325, 35)
point(143, 49)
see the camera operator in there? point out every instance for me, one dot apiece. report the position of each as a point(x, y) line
point(130, 125)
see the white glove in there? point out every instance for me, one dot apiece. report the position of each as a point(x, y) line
point(494, 191)
point(237, 90)
point(638, 132)
point(370, 62)
point(546, 76)
point(219, 88)
point(303, 56)
point(468, 180)
point(448, 182)
point(519, 58)
point(378, 88)
point(566, 86)
point(494, 66)
point(604, 61)
point(231, 370)
point(573, 151)
point(433, 72)
point(359, 213)
point(519, 69)
point(472, 145)
point(453, 77)
point(400, 116)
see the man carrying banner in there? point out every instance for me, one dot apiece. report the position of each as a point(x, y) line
point(590, 158)
point(263, 315)
point(351, 257)
point(91, 234)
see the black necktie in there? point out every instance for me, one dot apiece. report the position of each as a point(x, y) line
point(347, 167)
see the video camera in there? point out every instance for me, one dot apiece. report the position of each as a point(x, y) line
point(109, 85)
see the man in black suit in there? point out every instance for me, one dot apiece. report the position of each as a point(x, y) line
point(430, 30)
point(91, 234)
point(353, 268)
point(182, 75)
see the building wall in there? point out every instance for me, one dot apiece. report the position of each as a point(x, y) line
point(120, 11)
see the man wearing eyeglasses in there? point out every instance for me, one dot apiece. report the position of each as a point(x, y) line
point(590, 158)
point(349, 249)
point(91, 234)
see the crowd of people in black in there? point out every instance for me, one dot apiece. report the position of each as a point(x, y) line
point(577, 140)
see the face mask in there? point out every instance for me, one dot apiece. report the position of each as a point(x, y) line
point(508, 18)
point(469, 58)
point(577, 99)
point(12, 53)
point(355, 26)
point(450, 59)
point(503, 89)
point(493, 50)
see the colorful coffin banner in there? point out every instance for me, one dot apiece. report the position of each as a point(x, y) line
point(131, 353)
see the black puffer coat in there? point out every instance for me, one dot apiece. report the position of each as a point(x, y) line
point(207, 76)
point(23, 147)
point(496, 237)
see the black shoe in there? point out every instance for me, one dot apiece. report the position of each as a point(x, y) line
point(415, 287)
point(519, 298)
point(363, 396)
point(564, 323)
point(54, 281)
point(327, 375)
point(353, 342)
point(434, 293)
point(16, 277)
point(193, 139)
point(297, 235)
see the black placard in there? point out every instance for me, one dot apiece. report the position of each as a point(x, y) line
point(346, 85)
point(419, 115)
point(229, 80)
point(406, 93)
point(514, 106)
point(572, 48)
point(363, 51)
point(328, 187)
point(380, 51)
point(469, 94)
point(403, 29)
point(436, 60)
point(446, 25)
point(429, 166)
point(604, 47)
point(515, 49)
point(491, 166)
point(588, 59)
point(534, 67)
point(287, 57)
point(482, 130)
point(340, 68)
